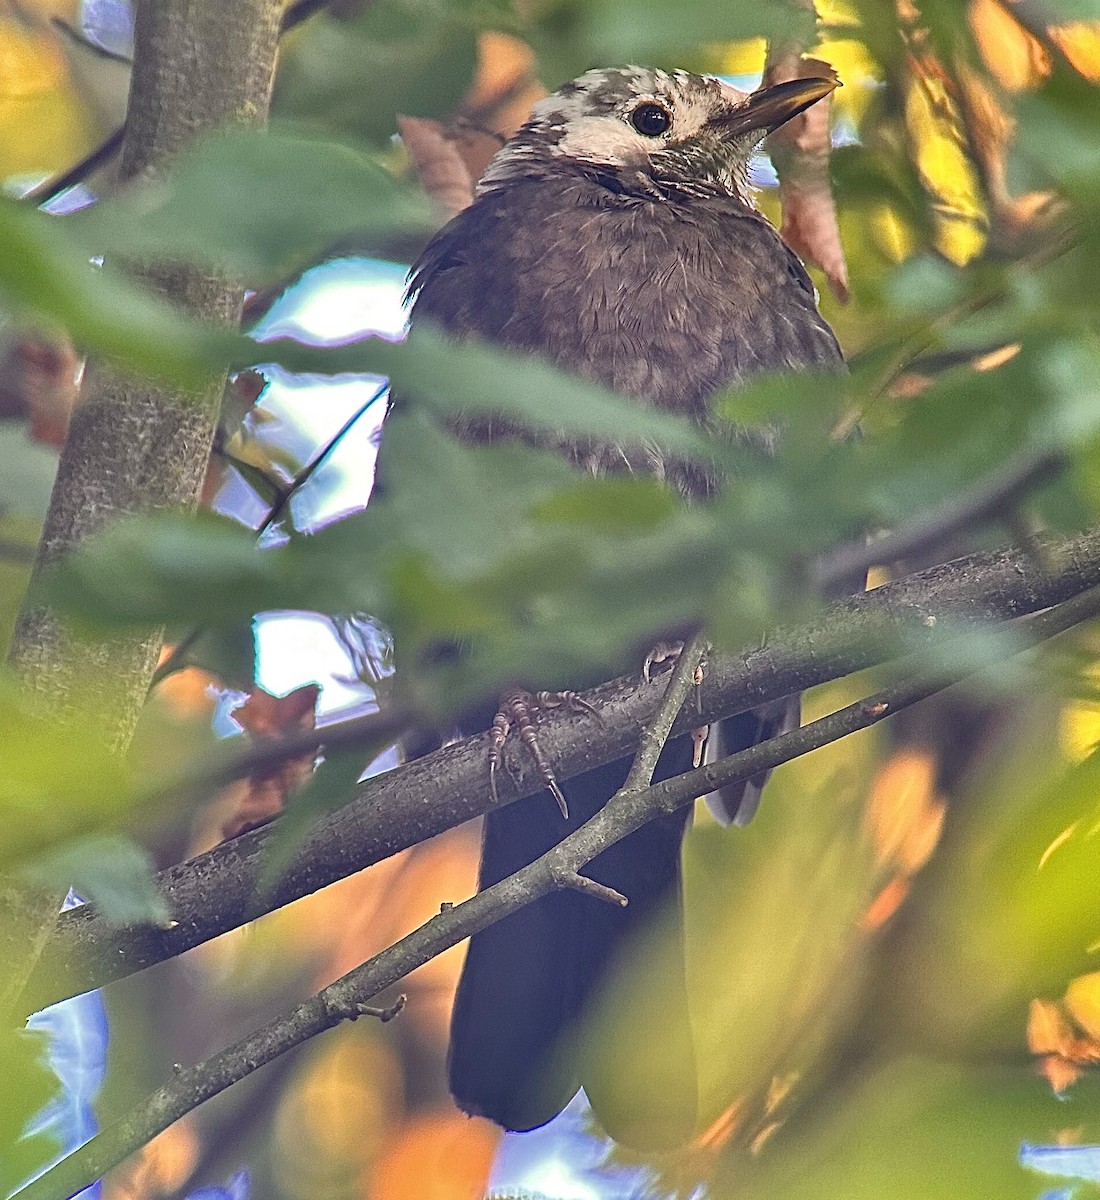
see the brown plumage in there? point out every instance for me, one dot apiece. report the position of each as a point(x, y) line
point(615, 235)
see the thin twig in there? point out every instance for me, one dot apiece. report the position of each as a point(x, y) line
point(589, 887)
point(218, 890)
point(311, 468)
point(74, 35)
point(173, 660)
point(102, 154)
point(655, 733)
point(98, 157)
point(350, 995)
point(284, 495)
point(992, 498)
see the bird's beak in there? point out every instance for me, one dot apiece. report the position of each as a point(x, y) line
point(764, 111)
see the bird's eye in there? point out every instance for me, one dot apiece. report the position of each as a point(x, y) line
point(651, 119)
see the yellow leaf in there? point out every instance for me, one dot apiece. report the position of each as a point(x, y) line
point(1080, 43)
point(1080, 732)
point(945, 168)
point(892, 235)
point(740, 58)
point(1048, 1031)
point(29, 62)
point(1015, 59)
point(1083, 1002)
point(43, 124)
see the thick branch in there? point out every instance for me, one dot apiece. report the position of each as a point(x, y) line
point(219, 890)
point(132, 447)
point(560, 867)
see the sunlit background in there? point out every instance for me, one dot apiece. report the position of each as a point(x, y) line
point(364, 1110)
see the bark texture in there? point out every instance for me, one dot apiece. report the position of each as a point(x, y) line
point(134, 447)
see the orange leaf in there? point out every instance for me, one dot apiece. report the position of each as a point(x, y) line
point(1059, 1072)
point(1012, 55)
point(1083, 1003)
point(438, 1156)
point(885, 904)
point(1048, 1031)
point(1080, 43)
point(904, 814)
point(267, 788)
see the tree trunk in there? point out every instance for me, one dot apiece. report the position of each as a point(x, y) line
point(134, 447)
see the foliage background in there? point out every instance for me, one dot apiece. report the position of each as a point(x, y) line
point(894, 966)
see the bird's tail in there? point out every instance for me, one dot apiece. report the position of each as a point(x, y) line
point(525, 1034)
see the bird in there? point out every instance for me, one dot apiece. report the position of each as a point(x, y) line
point(615, 234)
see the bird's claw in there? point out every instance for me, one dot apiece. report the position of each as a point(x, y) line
point(520, 709)
point(699, 744)
point(665, 655)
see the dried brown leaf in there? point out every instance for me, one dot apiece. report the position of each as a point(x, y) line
point(800, 151)
point(438, 162)
point(40, 380)
point(263, 794)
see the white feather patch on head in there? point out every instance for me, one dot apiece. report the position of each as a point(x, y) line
point(589, 120)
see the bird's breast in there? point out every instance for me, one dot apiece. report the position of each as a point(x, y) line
point(663, 302)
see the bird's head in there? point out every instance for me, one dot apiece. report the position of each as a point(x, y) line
point(673, 127)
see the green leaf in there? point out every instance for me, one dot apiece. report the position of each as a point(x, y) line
point(46, 277)
point(912, 1130)
point(110, 871)
point(28, 1085)
point(400, 56)
point(476, 379)
point(27, 470)
point(227, 651)
point(201, 569)
point(617, 505)
point(18, 542)
point(655, 31)
point(55, 781)
point(256, 205)
point(1058, 136)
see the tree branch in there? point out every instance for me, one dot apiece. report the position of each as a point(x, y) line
point(133, 447)
point(350, 995)
point(99, 156)
point(219, 890)
point(655, 733)
point(997, 495)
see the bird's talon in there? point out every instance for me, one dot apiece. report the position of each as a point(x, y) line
point(559, 796)
point(662, 653)
point(519, 709)
point(699, 744)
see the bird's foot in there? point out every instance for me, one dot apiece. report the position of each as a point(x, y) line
point(665, 655)
point(520, 710)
